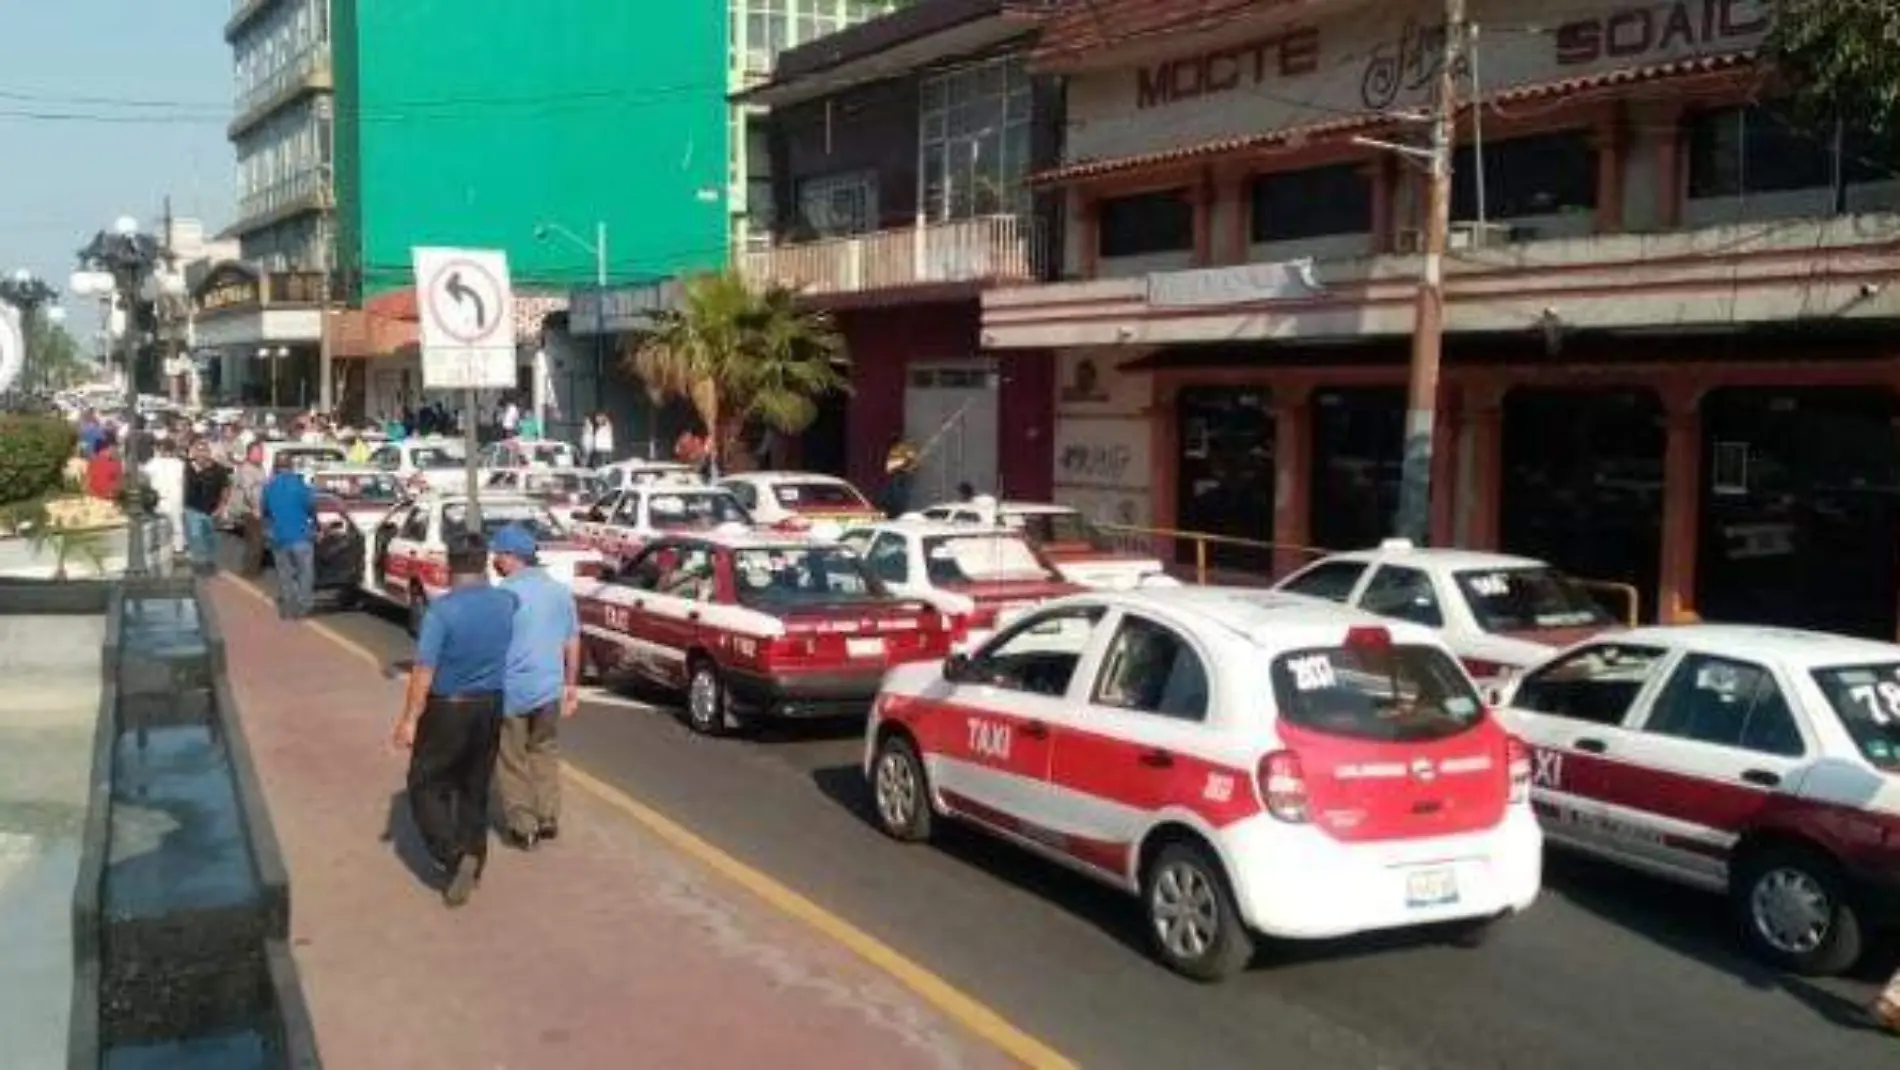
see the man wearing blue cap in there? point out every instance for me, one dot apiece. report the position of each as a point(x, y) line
point(540, 686)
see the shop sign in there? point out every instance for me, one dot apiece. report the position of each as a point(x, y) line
point(228, 293)
point(1291, 52)
point(1638, 31)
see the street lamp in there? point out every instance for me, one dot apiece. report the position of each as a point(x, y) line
point(28, 292)
point(128, 263)
point(275, 357)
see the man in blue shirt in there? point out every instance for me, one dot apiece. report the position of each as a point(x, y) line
point(541, 687)
point(451, 717)
point(290, 516)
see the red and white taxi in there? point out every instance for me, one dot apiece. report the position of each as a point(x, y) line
point(1245, 761)
point(981, 578)
point(755, 624)
point(1499, 613)
point(364, 495)
point(620, 475)
point(526, 453)
point(794, 501)
point(565, 491)
point(408, 562)
point(621, 523)
point(1763, 763)
point(1079, 550)
point(433, 463)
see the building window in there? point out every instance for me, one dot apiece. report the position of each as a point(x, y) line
point(1541, 175)
point(974, 143)
point(1737, 151)
point(1315, 203)
point(772, 26)
point(838, 205)
point(1159, 222)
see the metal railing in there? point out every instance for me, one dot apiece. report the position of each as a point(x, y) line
point(263, 97)
point(1626, 594)
point(304, 186)
point(997, 248)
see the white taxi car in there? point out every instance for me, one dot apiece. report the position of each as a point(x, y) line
point(1763, 763)
point(794, 501)
point(513, 453)
point(565, 491)
point(1079, 550)
point(620, 523)
point(425, 464)
point(621, 475)
point(1499, 613)
point(408, 562)
point(305, 457)
point(362, 494)
point(981, 578)
point(1245, 761)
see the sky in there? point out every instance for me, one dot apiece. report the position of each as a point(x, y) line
point(107, 107)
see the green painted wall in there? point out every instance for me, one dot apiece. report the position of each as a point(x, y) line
point(467, 123)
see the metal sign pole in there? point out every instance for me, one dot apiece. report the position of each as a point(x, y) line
point(469, 446)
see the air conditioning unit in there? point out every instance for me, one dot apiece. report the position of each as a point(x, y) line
point(1410, 241)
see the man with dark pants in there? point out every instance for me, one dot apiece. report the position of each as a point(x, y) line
point(451, 717)
point(290, 512)
point(544, 664)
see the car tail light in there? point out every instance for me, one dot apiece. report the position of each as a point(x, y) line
point(1484, 670)
point(1517, 758)
point(1283, 787)
point(787, 648)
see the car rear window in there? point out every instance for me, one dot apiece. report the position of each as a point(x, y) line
point(818, 496)
point(1060, 529)
point(1391, 693)
point(551, 454)
point(1528, 599)
point(1867, 700)
point(955, 559)
point(704, 509)
point(795, 576)
point(432, 457)
point(359, 487)
point(306, 461)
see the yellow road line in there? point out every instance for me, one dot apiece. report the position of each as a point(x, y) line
point(958, 1006)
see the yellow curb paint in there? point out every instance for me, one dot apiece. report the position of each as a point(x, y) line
point(963, 1009)
point(939, 993)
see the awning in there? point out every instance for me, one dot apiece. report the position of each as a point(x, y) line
point(1345, 126)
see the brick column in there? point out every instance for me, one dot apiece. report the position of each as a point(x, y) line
point(1682, 499)
point(1292, 471)
point(1610, 139)
point(1484, 415)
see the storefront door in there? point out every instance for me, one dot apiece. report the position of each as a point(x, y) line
point(1358, 447)
point(1225, 473)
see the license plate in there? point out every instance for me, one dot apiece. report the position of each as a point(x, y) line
point(1431, 887)
point(864, 648)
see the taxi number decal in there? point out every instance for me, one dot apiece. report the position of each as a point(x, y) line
point(1549, 769)
point(618, 618)
point(1220, 787)
point(1313, 672)
point(989, 739)
point(1495, 585)
point(1882, 700)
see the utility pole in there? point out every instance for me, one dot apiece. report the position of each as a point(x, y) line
point(326, 389)
point(1428, 327)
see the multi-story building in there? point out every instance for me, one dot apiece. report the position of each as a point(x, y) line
point(1669, 354)
point(899, 152)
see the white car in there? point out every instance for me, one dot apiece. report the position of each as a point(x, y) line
point(565, 491)
point(305, 458)
point(364, 495)
point(1763, 763)
point(621, 475)
point(798, 500)
point(1499, 613)
point(408, 563)
point(1079, 549)
point(981, 579)
point(621, 523)
point(1244, 761)
point(512, 453)
point(425, 464)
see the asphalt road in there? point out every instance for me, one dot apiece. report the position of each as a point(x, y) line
point(1608, 970)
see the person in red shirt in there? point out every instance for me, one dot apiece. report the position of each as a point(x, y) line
point(105, 472)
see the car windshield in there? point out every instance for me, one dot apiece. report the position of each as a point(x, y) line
point(683, 511)
point(1059, 529)
point(498, 515)
point(1867, 700)
point(435, 457)
point(306, 461)
point(561, 483)
point(1527, 599)
point(818, 495)
point(1393, 693)
point(358, 486)
point(957, 559)
point(550, 454)
point(790, 576)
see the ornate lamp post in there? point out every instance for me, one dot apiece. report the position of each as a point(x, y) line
point(28, 293)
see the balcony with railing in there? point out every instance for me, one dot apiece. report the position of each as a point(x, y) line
point(309, 72)
point(305, 191)
point(997, 250)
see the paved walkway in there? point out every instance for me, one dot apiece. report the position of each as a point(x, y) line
point(605, 949)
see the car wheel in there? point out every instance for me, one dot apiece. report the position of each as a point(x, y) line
point(706, 699)
point(899, 789)
point(418, 609)
point(1192, 920)
point(1795, 912)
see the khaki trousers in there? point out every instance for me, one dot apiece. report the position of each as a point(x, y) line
point(528, 770)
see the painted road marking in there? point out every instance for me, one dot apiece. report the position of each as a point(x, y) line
point(955, 1004)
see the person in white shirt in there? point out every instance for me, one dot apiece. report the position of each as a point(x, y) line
point(603, 440)
point(587, 442)
point(510, 418)
point(165, 474)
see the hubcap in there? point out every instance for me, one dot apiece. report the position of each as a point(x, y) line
point(896, 790)
point(1183, 910)
point(1791, 911)
point(702, 699)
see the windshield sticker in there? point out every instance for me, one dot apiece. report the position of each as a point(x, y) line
point(1460, 706)
point(1882, 702)
point(1313, 672)
point(788, 494)
point(668, 504)
point(1494, 585)
point(942, 552)
point(1566, 620)
point(1721, 679)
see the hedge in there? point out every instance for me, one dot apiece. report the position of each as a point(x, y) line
point(33, 455)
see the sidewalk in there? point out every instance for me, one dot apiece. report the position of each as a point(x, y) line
point(605, 949)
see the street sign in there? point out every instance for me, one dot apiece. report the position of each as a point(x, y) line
point(12, 348)
point(467, 309)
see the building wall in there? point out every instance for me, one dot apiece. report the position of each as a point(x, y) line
point(470, 123)
point(882, 344)
point(872, 129)
point(1102, 444)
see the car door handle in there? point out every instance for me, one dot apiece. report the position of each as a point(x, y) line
point(639, 603)
point(1591, 746)
point(1157, 759)
point(693, 615)
point(1035, 730)
point(1762, 777)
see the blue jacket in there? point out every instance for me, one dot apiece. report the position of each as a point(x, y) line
point(290, 509)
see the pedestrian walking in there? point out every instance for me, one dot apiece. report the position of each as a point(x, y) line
point(540, 688)
point(451, 716)
point(247, 507)
point(603, 440)
point(165, 474)
point(207, 491)
point(290, 514)
point(587, 442)
point(104, 471)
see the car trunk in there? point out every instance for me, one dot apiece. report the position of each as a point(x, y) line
point(1361, 790)
point(859, 635)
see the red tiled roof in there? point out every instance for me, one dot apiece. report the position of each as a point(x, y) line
point(1359, 123)
point(1072, 27)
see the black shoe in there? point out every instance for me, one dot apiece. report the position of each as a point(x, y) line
point(549, 832)
point(520, 841)
point(468, 873)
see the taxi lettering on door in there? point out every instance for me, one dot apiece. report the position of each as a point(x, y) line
point(989, 739)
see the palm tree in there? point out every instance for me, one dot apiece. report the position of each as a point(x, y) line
point(742, 357)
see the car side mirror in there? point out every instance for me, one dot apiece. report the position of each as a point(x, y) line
point(958, 670)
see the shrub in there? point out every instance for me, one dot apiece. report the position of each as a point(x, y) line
point(33, 454)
